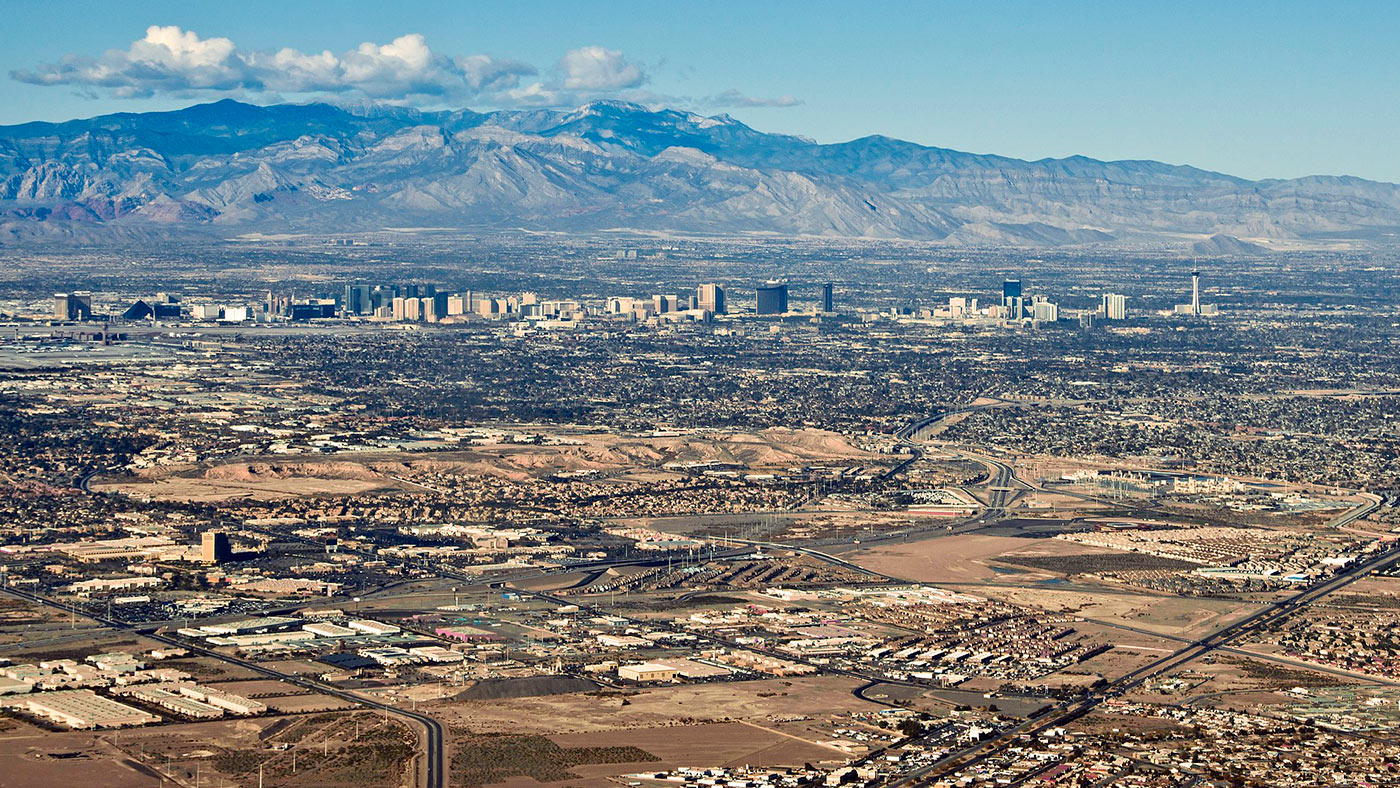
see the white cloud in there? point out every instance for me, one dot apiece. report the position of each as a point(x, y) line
point(536, 94)
point(733, 98)
point(174, 62)
point(597, 69)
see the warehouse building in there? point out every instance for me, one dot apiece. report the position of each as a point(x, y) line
point(9, 686)
point(373, 627)
point(227, 701)
point(83, 709)
point(647, 671)
point(326, 629)
point(173, 701)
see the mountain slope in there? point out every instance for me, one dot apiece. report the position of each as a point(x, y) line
point(1227, 246)
point(229, 167)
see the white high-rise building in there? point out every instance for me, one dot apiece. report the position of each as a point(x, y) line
point(1114, 307)
point(711, 297)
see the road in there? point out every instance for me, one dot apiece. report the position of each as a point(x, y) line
point(1371, 504)
point(1277, 659)
point(908, 436)
point(1003, 488)
point(1219, 639)
point(434, 772)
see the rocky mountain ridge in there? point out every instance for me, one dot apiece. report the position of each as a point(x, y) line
point(229, 168)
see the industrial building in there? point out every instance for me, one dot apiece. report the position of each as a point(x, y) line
point(372, 627)
point(9, 686)
point(647, 671)
point(173, 701)
point(83, 709)
point(250, 626)
point(326, 629)
point(226, 701)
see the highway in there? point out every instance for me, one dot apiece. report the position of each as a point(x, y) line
point(1003, 488)
point(1262, 657)
point(908, 436)
point(1191, 651)
point(1371, 504)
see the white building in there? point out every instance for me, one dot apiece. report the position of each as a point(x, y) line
point(1114, 307)
point(647, 671)
point(83, 709)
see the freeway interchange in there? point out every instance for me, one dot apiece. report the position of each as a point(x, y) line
point(1002, 486)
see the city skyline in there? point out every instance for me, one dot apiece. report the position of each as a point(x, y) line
point(699, 395)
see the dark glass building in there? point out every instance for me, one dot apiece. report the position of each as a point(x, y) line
point(772, 299)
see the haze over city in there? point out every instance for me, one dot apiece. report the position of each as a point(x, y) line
point(786, 395)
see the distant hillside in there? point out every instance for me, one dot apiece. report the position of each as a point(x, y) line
point(1228, 246)
point(229, 168)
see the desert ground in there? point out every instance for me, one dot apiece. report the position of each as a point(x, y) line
point(962, 558)
point(601, 453)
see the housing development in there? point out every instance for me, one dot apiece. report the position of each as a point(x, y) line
point(697, 512)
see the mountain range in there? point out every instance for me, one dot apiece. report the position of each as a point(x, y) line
point(229, 168)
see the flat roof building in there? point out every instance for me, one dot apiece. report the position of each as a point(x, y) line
point(372, 627)
point(647, 671)
point(226, 701)
point(325, 629)
point(83, 709)
point(171, 700)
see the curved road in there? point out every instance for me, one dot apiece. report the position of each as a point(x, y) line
point(434, 771)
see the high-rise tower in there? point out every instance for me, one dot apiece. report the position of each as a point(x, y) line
point(772, 299)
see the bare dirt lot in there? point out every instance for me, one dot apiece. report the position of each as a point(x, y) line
point(297, 475)
point(254, 486)
point(960, 558)
point(31, 758)
point(773, 722)
point(554, 715)
point(1165, 614)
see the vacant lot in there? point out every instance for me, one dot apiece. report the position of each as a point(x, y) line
point(960, 558)
point(1096, 563)
point(298, 475)
point(555, 715)
point(493, 758)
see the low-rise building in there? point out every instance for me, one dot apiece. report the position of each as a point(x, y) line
point(373, 627)
point(83, 709)
point(647, 671)
point(170, 699)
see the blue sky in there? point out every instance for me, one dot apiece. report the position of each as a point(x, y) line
point(1258, 89)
